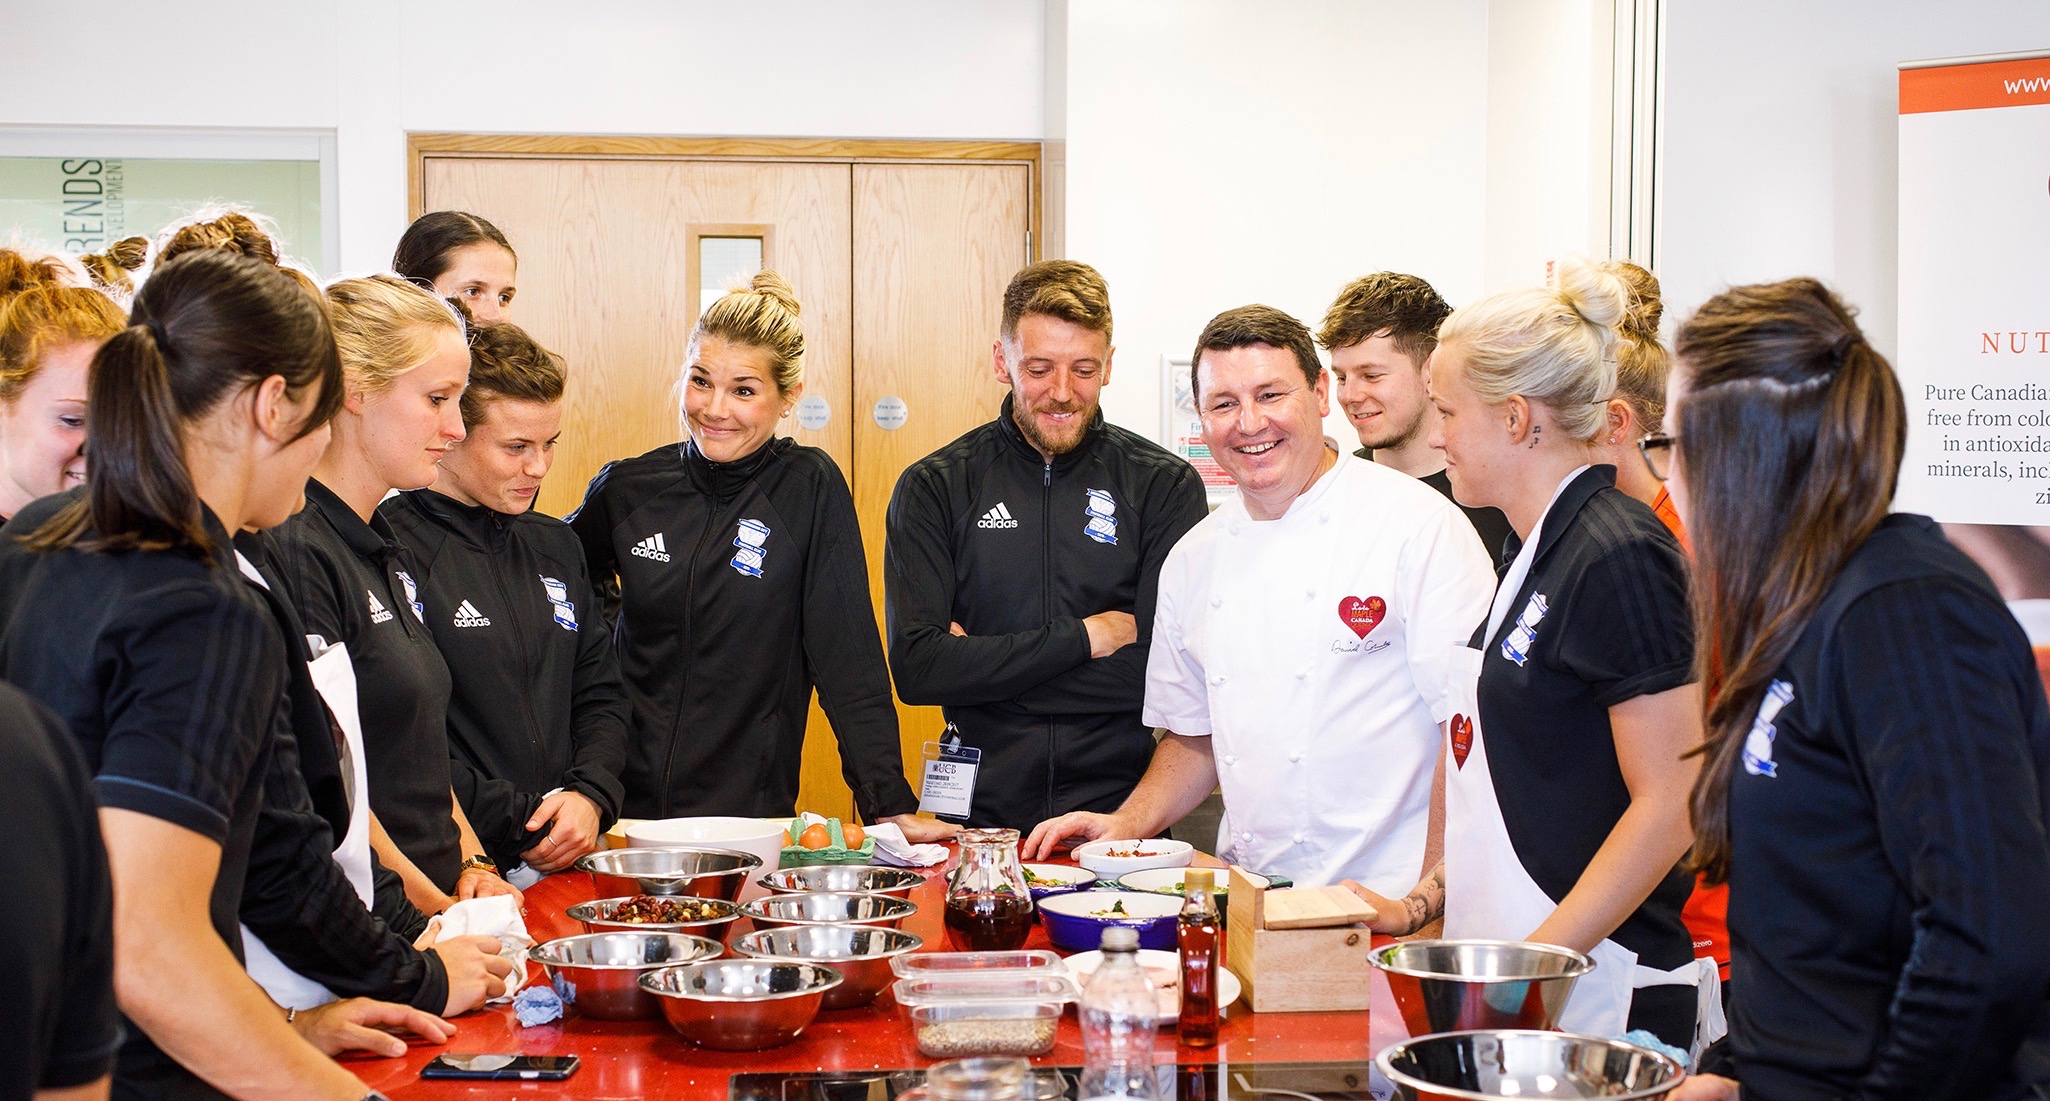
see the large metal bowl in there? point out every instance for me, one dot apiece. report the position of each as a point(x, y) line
point(600, 973)
point(1465, 1066)
point(701, 873)
point(828, 908)
point(862, 954)
point(861, 879)
point(740, 1005)
point(596, 917)
point(1458, 985)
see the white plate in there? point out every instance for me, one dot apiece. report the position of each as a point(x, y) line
point(1058, 877)
point(1165, 967)
point(1153, 852)
point(1168, 881)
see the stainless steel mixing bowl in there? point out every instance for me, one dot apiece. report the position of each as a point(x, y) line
point(701, 873)
point(596, 917)
point(862, 954)
point(740, 1005)
point(860, 879)
point(1454, 985)
point(599, 973)
point(1489, 1064)
point(824, 908)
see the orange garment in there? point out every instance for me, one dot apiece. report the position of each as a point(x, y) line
point(1706, 914)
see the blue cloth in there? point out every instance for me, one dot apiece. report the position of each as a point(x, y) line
point(1645, 1039)
point(536, 1005)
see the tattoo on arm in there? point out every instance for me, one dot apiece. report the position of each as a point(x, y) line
point(1427, 902)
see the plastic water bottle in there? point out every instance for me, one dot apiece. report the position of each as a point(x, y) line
point(1119, 1003)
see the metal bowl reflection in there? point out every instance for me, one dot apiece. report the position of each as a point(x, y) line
point(599, 973)
point(701, 873)
point(740, 1005)
point(828, 908)
point(1456, 985)
point(862, 954)
point(1489, 1064)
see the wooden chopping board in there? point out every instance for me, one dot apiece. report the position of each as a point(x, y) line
point(1314, 908)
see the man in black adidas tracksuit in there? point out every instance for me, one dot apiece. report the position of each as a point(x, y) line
point(537, 704)
point(1022, 561)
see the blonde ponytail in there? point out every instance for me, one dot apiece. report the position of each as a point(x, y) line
point(1555, 346)
point(760, 314)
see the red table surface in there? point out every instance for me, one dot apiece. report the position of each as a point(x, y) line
point(646, 1059)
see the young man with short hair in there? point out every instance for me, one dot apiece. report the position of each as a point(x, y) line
point(1380, 332)
point(1021, 567)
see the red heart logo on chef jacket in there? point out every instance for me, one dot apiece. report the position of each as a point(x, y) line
point(1362, 615)
point(1462, 739)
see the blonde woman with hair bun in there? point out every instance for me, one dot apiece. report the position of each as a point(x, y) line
point(732, 566)
point(405, 362)
point(1575, 702)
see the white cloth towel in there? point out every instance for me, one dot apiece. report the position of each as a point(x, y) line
point(492, 916)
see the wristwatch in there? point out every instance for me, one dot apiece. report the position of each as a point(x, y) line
point(480, 861)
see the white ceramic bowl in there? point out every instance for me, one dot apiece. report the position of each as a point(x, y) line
point(1111, 859)
point(749, 835)
point(1165, 969)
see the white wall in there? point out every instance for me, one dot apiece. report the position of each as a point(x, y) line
point(370, 70)
point(1221, 153)
point(1548, 156)
point(1781, 140)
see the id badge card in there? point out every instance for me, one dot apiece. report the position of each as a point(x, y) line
point(949, 787)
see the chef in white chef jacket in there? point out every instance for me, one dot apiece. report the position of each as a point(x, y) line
point(1301, 645)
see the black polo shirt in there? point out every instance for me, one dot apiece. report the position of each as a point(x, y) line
point(538, 702)
point(1608, 589)
point(58, 1025)
point(351, 582)
point(170, 674)
point(1890, 871)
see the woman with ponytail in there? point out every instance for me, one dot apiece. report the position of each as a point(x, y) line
point(206, 414)
point(1574, 705)
point(405, 362)
point(1875, 774)
point(734, 569)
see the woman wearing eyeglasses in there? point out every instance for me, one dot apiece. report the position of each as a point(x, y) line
point(1876, 776)
point(1574, 706)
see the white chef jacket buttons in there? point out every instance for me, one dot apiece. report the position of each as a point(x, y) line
point(1302, 674)
point(1295, 758)
point(1245, 837)
point(1299, 839)
point(1217, 602)
point(1230, 760)
point(1218, 680)
point(1234, 529)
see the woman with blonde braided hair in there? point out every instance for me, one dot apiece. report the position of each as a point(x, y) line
point(734, 569)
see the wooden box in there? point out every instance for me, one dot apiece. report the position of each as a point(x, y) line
point(1293, 970)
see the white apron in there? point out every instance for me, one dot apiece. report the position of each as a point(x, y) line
point(1488, 892)
point(335, 677)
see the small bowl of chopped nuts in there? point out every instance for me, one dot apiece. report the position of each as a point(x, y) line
point(704, 917)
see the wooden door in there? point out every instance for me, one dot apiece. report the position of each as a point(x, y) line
point(900, 268)
point(604, 249)
point(934, 247)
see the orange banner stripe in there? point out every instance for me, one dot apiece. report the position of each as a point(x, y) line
point(1974, 87)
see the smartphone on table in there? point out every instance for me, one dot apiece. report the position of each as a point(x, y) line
point(502, 1068)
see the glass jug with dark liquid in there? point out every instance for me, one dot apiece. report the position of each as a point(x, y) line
point(989, 908)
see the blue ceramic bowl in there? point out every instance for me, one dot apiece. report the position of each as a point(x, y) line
point(1075, 922)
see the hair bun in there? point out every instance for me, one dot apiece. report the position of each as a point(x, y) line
point(1599, 297)
point(771, 285)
